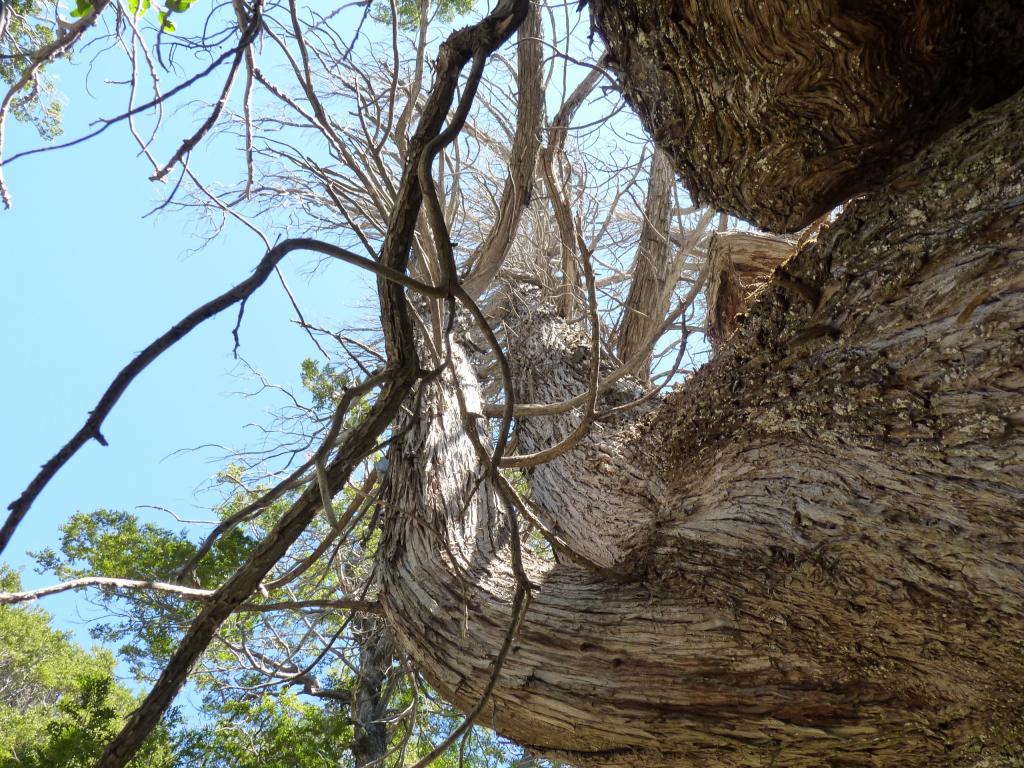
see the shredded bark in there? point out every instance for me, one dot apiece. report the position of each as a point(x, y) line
point(778, 110)
point(832, 570)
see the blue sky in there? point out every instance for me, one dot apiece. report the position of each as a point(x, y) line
point(87, 282)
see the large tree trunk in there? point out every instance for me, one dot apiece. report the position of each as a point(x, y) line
point(777, 110)
point(816, 556)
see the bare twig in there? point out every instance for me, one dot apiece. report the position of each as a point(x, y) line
point(185, 593)
point(239, 293)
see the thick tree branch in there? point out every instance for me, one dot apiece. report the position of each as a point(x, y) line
point(522, 159)
point(185, 593)
point(655, 272)
point(833, 566)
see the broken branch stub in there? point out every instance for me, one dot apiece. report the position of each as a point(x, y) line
point(738, 264)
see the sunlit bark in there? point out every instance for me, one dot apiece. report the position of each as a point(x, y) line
point(817, 554)
point(655, 272)
point(739, 263)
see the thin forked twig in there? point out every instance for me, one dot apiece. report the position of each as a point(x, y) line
point(91, 429)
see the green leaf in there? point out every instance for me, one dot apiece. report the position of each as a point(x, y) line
point(59, 704)
point(82, 7)
point(137, 8)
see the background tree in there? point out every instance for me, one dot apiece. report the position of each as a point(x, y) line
point(60, 705)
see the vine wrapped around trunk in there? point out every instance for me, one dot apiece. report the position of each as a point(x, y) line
point(831, 569)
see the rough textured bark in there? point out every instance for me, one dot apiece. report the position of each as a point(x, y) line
point(515, 195)
point(655, 272)
point(777, 110)
point(597, 497)
point(370, 700)
point(738, 264)
point(828, 561)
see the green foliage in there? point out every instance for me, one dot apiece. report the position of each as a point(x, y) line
point(267, 728)
point(409, 11)
point(533, 540)
point(517, 479)
point(82, 7)
point(324, 383)
point(38, 103)
point(247, 720)
point(28, 34)
point(268, 731)
point(59, 705)
point(135, 8)
point(115, 544)
point(36, 663)
point(84, 723)
point(481, 749)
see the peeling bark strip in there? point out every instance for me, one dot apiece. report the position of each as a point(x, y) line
point(777, 110)
point(738, 264)
point(834, 573)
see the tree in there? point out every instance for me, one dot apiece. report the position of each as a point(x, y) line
point(293, 680)
point(811, 552)
point(59, 705)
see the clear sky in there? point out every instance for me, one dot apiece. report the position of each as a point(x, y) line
point(87, 283)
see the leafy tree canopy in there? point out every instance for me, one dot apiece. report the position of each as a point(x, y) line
point(60, 704)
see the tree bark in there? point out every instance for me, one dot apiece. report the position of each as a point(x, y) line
point(778, 110)
point(370, 701)
point(738, 264)
point(655, 272)
point(518, 188)
point(817, 555)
